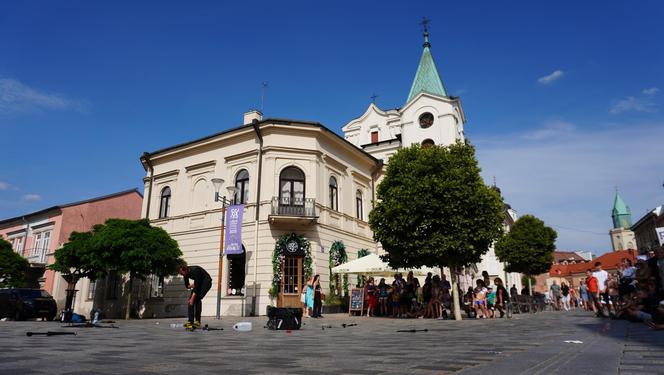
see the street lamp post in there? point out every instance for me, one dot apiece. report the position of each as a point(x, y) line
point(218, 183)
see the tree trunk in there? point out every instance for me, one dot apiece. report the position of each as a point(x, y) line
point(530, 285)
point(131, 291)
point(455, 292)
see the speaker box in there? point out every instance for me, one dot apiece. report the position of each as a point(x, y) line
point(284, 318)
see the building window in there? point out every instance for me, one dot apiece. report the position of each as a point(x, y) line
point(165, 203)
point(374, 137)
point(92, 288)
point(334, 194)
point(427, 143)
point(17, 245)
point(426, 120)
point(242, 185)
point(42, 242)
point(156, 286)
point(236, 273)
point(291, 183)
point(112, 285)
point(358, 205)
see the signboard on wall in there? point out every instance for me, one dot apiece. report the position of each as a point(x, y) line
point(233, 243)
point(660, 235)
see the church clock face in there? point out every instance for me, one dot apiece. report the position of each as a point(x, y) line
point(292, 246)
point(426, 120)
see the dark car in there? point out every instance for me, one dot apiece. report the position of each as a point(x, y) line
point(23, 303)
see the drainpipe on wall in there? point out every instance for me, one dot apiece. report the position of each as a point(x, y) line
point(258, 207)
point(145, 160)
point(379, 167)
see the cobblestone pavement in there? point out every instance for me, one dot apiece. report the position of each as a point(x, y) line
point(525, 344)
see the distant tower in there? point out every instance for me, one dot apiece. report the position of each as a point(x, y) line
point(622, 238)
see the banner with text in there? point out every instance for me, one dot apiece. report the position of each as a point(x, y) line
point(660, 235)
point(233, 234)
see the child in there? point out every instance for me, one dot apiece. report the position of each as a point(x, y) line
point(383, 294)
point(396, 299)
point(491, 301)
point(479, 299)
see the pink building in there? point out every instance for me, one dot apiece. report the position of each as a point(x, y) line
point(37, 235)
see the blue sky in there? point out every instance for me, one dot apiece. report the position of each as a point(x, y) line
point(563, 99)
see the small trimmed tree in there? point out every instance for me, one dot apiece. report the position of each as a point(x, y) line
point(136, 248)
point(434, 210)
point(76, 260)
point(527, 248)
point(13, 266)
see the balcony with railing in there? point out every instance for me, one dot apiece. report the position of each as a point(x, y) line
point(36, 256)
point(293, 210)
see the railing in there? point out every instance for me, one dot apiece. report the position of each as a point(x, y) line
point(34, 255)
point(287, 206)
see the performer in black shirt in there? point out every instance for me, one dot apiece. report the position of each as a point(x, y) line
point(200, 284)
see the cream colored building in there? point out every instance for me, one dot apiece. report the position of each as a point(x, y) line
point(293, 177)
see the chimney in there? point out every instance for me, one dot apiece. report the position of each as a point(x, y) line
point(251, 116)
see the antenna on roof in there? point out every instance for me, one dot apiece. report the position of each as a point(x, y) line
point(263, 89)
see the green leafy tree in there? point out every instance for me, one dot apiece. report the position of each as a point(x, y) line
point(76, 260)
point(434, 210)
point(528, 247)
point(13, 266)
point(362, 279)
point(136, 248)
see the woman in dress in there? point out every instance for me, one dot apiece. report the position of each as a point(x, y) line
point(318, 303)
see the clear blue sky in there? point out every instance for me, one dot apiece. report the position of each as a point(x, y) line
point(563, 98)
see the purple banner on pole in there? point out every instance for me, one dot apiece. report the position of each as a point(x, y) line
point(233, 243)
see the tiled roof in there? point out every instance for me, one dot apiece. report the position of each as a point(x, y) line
point(610, 261)
point(559, 256)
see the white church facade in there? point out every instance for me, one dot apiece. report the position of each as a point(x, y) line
point(301, 184)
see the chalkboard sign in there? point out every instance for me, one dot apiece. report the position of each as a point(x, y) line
point(356, 300)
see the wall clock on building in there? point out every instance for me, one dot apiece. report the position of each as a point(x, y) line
point(426, 120)
point(292, 246)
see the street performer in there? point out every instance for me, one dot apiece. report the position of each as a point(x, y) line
point(200, 284)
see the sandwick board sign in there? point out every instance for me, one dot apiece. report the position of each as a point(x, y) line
point(356, 302)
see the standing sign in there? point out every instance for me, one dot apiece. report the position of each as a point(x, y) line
point(356, 300)
point(233, 243)
point(660, 235)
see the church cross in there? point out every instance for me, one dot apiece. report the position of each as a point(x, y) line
point(425, 22)
point(373, 98)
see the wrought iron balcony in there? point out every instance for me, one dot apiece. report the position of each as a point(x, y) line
point(289, 209)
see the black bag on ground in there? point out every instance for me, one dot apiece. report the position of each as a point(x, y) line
point(284, 318)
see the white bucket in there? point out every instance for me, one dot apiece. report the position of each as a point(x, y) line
point(242, 326)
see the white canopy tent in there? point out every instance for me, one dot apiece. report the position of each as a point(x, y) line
point(373, 265)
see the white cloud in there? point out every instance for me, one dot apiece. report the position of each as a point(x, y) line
point(568, 180)
point(551, 77)
point(31, 197)
point(18, 97)
point(550, 129)
point(650, 91)
point(631, 103)
point(6, 186)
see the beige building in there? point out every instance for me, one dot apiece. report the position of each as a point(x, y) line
point(292, 176)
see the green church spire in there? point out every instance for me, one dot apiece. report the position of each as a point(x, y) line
point(621, 214)
point(427, 78)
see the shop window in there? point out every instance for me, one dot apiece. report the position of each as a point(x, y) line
point(156, 286)
point(112, 285)
point(236, 273)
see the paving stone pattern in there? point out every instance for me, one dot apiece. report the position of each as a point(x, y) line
point(526, 344)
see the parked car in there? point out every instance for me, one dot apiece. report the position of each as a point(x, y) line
point(23, 303)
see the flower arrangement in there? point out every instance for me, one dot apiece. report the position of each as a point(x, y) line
point(278, 256)
point(338, 256)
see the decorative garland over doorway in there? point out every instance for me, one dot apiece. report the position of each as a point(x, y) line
point(338, 256)
point(289, 244)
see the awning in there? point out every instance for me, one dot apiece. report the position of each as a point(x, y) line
point(373, 265)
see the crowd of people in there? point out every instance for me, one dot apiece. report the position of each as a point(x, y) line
point(635, 291)
point(408, 298)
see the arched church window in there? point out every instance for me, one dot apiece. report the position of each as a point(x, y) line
point(165, 202)
point(427, 143)
point(426, 120)
point(334, 194)
point(291, 187)
point(242, 185)
point(358, 205)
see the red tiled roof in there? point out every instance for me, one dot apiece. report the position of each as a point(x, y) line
point(610, 261)
point(559, 256)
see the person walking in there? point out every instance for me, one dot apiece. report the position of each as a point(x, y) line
point(309, 298)
point(583, 292)
point(564, 290)
point(318, 297)
point(593, 291)
point(603, 292)
point(371, 292)
point(555, 295)
point(199, 282)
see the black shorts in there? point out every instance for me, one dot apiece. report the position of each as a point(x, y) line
point(203, 289)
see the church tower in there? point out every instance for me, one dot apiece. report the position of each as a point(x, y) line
point(430, 115)
point(622, 238)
